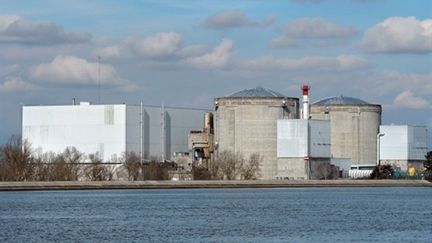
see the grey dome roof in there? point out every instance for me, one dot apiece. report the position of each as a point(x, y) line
point(257, 92)
point(341, 100)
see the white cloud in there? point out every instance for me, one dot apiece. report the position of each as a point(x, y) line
point(16, 84)
point(217, 58)
point(163, 45)
point(75, 70)
point(395, 81)
point(6, 20)
point(407, 99)
point(312, 63)
point(235, 19)
point(310, 29)
point(399, 35)
point(159, 45)
point(17, 30)
point(316, 28)
point(284, 41)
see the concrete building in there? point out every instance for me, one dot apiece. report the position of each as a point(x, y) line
point(303, 149)
point(246, 122)
point(403, 146)
point(354, 127)
point(110, 130)
point(201, 143)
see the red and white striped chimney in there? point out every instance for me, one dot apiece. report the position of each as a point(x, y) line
point(305, 111)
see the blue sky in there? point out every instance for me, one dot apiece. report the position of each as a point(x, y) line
point(184, 53)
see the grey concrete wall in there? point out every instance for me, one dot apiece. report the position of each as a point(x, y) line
point(353, 130)
point(291, 168)
point(248, 125)
point(297, 168)
point(178, 122)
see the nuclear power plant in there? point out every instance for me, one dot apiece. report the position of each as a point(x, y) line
point(294, 138)
point(246, 122)
point(354, 127)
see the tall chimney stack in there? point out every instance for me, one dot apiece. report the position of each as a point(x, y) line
point(305, 113)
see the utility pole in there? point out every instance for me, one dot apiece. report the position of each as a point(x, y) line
point(99, 60)
point(379, 135)
point(141, 132)
point(141, 139)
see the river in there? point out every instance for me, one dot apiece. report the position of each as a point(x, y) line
point(218, 215)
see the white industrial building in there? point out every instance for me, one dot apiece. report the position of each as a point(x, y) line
point(403, 145)
point(110, 130)
point(303, 148)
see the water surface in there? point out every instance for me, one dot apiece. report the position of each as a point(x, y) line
point(218, 215)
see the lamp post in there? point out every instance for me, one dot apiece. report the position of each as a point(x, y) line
point(379, 135)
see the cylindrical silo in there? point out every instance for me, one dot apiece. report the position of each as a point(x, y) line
point(354, 127)
point(246, 122)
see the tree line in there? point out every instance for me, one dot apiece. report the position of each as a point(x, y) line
point(18, 163)
point(227, 165)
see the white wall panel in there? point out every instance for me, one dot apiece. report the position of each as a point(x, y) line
point(394, 144)
point(299, 138)
point(53, 128)
point(403, 142)
point(292, 137)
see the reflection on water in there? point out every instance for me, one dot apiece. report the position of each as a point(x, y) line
point(218, 215)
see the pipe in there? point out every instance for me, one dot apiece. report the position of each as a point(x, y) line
point(379, 135)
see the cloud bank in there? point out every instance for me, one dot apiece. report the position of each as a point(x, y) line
point(399, 35)
point(78, 71)
point(235, 19)
point(17, 30)
point(310, 29)
point(312, 63)
point(407, 99)
point(217, 58)
point(16, 84)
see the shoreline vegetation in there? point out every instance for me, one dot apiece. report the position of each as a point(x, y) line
point(101, 185)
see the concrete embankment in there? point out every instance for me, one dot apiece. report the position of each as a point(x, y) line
point(89, 185)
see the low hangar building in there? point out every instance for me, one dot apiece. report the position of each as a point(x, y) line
point(110, 130)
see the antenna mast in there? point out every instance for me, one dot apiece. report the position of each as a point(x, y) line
point(99, 59)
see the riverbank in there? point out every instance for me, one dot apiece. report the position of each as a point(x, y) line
point(92, 185)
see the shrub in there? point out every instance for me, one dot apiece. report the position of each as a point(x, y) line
point(382, 172)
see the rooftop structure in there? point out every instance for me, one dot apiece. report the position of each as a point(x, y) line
point(256, 92)
point(340, 100)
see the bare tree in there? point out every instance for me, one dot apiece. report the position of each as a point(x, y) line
point(96, 171)
point(16, 160)
point(251, 169)
point(230, 164)
point(131, 162)
point(43, 167)
point(65, 166)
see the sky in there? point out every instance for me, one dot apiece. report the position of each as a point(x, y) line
point(185, 53)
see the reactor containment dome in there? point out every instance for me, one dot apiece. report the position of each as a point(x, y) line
point(354, 127)
point(246, 122)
